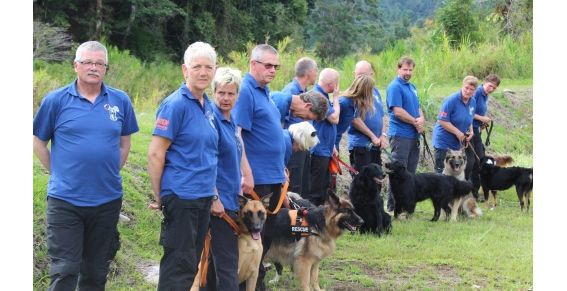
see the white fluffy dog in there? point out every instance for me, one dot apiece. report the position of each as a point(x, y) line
point(304, 136)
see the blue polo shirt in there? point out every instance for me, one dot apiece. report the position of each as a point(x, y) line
point(259, 118)
point(283, 103)
point(345, 118)
point(293, 88)
point(288, 142)
point(326, 131)
point(402, 94)
point(373, 120)
point(190, 168)
point(481, 104)
point(230, 155)
point(85, 143)
point(455, 111)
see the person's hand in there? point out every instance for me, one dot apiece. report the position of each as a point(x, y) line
point(383, 142)
point(460, 136)
point(376, 141)
point(335, 152)
point(286, 172)
point(336, 92)
point(485, 119)
point(247, 184)
point(217, 209)
point(155, 204)
point(469, 136)
point(419, 124)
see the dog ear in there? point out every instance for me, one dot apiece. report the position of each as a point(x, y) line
point(332, 199)
point(242, 200)
point(266, 200)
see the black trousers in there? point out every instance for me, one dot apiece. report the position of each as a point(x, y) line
point(405, 150)
point(263, 190)
point(474, 168)
point(81, 242)
point(298, 167)
point(362, 156)
point(183, 228)
point(320, 178)
point(223, 262)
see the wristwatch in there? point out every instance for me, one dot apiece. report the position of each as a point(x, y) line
point(215, 197)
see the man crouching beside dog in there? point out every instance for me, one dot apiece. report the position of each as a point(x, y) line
point(453, 131)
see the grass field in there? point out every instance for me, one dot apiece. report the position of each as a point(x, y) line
point(492, 253)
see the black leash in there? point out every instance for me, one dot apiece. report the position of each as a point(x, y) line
point(426, 147)
point(488, 132)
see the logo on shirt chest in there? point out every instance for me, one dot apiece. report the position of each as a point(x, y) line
point(211, 117)
point(112, 110)
point(471, 110)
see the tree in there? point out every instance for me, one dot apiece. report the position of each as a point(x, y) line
point(457, 20)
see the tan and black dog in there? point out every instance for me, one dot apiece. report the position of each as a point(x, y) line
point(325, 222)
point(252, 217)
point(455, 164)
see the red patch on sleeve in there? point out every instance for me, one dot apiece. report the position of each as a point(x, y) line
point(443, 114)
point(162, 123)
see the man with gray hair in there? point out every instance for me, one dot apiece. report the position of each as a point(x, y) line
point(306, 71)
point(258, 121)
point(89, 125)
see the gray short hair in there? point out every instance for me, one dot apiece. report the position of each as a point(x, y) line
point(92, 46)
point(199, 49)
point(303, 66)
point(226, 76)
point(259, 51)
point(319, 104)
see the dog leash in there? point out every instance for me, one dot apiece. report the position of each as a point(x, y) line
point(426, 147)
point(283, 195)
point(231, 222)
point(488, 132)
point(204, 262)
point(350, 168)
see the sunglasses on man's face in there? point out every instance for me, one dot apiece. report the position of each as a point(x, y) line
point(269, 66)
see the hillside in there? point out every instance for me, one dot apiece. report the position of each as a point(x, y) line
point(417, 255)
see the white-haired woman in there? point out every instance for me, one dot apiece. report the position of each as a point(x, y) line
point(182, 165)
point(223, 268)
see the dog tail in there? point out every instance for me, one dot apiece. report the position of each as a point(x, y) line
point(504, 160)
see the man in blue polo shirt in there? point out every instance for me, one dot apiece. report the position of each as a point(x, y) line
point(367, 137)
point(258, 122)
point(406, 119)
point(89, 125)
point(454, 123)
point(481, 95)
point(182, 165)
point(305, 106)
point(326, 132)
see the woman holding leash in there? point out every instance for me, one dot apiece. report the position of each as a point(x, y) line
point(453, 129)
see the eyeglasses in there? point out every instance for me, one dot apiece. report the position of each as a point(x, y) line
point(268, 66)
point(90, 63)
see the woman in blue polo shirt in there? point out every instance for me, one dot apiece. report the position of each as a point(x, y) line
point(182, 165)
point(453, 129)
point(223, 267)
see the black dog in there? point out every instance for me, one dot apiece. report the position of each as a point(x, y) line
point(365, 196)
point(495, 178)
point(408, 189)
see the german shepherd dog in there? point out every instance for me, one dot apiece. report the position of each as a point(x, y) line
point(408, 189)
point(494, 178)
point(364, 193)
point(251, 219)
point(327, 222)
point(455, 164)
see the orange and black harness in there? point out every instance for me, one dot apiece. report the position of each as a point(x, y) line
point(299, 224)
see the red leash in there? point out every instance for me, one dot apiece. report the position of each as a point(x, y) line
point(351, 169)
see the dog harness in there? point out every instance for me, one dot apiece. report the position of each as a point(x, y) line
point(298, 224)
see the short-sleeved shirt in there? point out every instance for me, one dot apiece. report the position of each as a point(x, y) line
point(373, 120)
point(190, 168)
point(293, 88)
point(259, 118)
point(345, 118)
point(230, 155)
point(283, 103)
point(326, 131)
point(402, 94)
point(85, 143)
point(288, 142)
point(455, 111)
point(481, 104)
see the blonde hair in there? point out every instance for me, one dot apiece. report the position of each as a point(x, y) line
point(361, 93)
point(470, 80)
point(226, 76)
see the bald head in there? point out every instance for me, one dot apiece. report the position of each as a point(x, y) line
point(363, 68)
point(328, 79)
